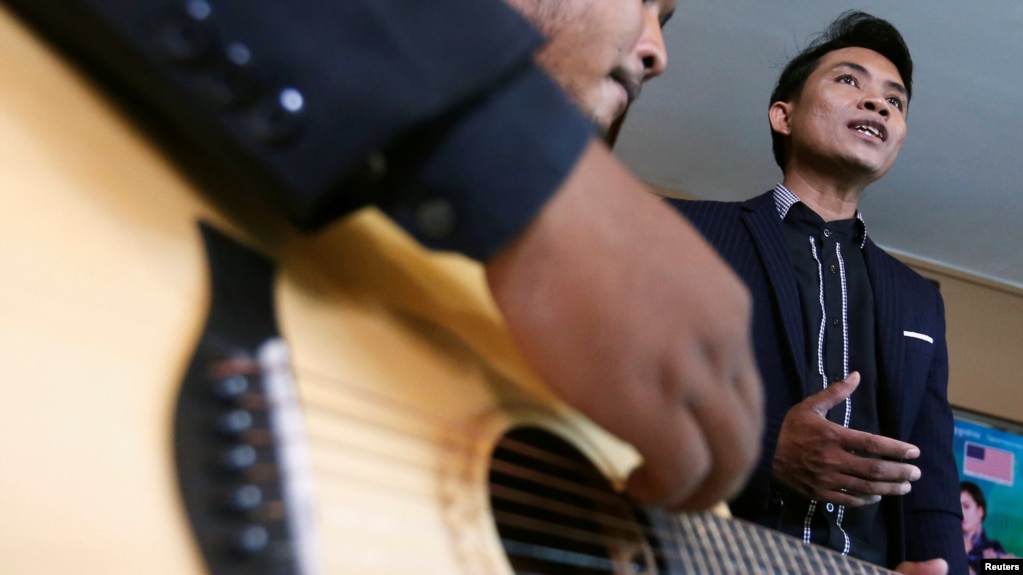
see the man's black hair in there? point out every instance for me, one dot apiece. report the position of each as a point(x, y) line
point(852, 29)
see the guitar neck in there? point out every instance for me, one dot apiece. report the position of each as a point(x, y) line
point(712, 544)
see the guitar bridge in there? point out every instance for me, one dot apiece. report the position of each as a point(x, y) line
point(238, 440)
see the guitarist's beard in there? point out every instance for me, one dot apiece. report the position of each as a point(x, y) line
point(611, 134)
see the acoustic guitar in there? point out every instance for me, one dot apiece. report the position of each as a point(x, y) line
point(192, 389)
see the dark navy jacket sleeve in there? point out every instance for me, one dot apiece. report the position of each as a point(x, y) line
point(328, 106)
point(496, 168)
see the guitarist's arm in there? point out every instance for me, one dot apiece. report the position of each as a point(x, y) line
point(613, 298)
point(623, 308)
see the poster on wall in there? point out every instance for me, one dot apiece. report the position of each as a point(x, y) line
point(989, 454)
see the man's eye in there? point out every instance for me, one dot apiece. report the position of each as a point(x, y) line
point(662, 15)
point(847, 79)
point(897, 102)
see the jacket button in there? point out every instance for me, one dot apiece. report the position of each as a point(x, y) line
point(436, 218)
point(186, 40)
point(278, 119)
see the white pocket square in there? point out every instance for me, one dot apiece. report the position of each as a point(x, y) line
point(917, 335)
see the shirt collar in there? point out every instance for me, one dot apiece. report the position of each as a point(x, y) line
point(784, 199)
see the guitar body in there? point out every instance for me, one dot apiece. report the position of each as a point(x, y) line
point(103, 288)
point(406, 377)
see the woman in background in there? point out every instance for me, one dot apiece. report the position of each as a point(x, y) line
point(978, 546)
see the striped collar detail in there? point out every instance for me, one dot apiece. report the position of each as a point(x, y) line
point(784, 199)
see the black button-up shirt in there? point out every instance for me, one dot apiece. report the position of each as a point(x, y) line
point(838, 326)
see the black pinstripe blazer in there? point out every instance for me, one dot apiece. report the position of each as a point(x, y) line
point(913, 372)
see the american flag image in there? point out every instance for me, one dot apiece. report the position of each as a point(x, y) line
point(990, 463)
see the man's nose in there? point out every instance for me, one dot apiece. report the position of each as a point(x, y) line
point(877, 103)
point(651, 47)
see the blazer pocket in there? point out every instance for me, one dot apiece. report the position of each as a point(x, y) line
point(919, 336)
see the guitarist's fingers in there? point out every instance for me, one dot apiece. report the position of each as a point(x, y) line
point(705, 440)
point(730, 417)
point(675, 463)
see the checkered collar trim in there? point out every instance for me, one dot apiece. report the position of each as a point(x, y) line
point(784, 199)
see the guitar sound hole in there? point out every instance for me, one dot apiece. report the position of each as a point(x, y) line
point(556, 513)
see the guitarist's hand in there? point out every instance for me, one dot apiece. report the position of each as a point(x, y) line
point(629, 315)
point(827, 462)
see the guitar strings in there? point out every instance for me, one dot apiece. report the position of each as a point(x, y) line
point(457, 432)
point(552, 457)
point(453, 427)
point(457, 437)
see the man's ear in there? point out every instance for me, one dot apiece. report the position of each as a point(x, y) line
point(779, 115)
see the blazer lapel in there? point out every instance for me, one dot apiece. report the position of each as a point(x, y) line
point(890, 341)
point(760, 216)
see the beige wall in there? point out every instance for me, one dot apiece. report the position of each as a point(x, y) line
point(985, 341)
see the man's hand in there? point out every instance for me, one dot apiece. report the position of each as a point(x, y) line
point(932, 567)
point(630, 316)
point(827, 462)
